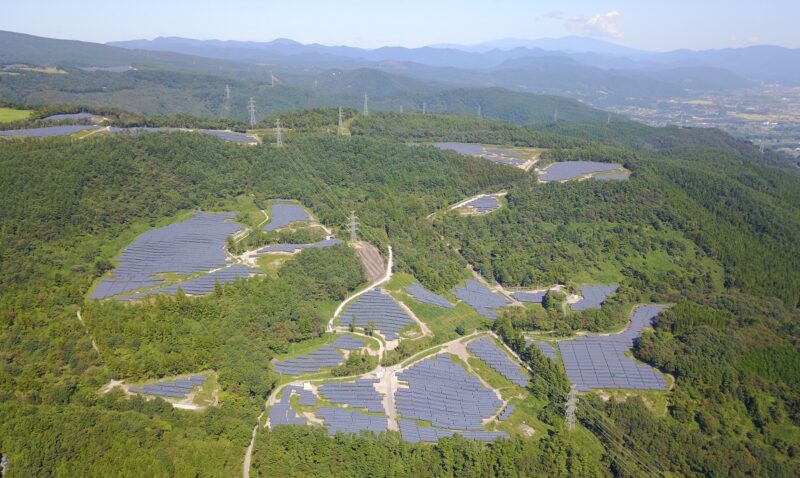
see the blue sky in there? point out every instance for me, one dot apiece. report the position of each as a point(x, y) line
point(664, 25)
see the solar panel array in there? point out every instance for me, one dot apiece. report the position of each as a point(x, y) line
point(481, 298)
point(285, 214)
point(424, 295)
point(600, 361)
point(186, 247)
point(495, 155)
point(176, 389)
point(346, 420)
point(69, 116)
point(490, 353)
point(380, 308)
point(548, 350)
point(358, 394)
point(484, 204)
point(443, 393)
point(414, 433)
point(612, 176)
point(594, 296)
point(506, 413)
point(282, 412)
point(573, 169)
point(47, 131)
point(200, 285)
point(289, 248)
point(307, 397)
point(228, 135)
point(530, 297)
point(327, 356)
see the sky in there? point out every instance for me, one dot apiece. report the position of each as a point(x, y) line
point(648, 25)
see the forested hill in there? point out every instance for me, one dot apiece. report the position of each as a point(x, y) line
point(705, 223)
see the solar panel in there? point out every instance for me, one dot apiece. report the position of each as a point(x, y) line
point(47, 131)
point(380, 308)
point(483, 204)
point(495, 155)
point(443, 393)
point(316, 360)
point(424, 295)
point(573, 169)
point(594, 296)
point(69, 116)
point(600, 361)
point(290, 248)
point(346, 420)
point(490, 353)
point(358, 394)
point(481, 298)
point(185, 247)
point(285, 214)
point(200, 285)
point(530, 297)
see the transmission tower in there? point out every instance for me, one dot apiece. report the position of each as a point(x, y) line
point(424, 107)
point(608, 119)
point(251, 107)
point(226, 104)
point(555, 115)
point(353, 226)
point(278, 133)
point(571, 407)
point(401, 108)
point(366, 105)
point(271, 79)
point(341, 123)
point(479, 111)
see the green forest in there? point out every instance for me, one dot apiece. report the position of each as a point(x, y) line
point(706, 223)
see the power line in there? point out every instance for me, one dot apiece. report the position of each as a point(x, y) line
point(570, 407)
point(480, 115)
point(424, 107)
point(353, 226)
point(341, 123)
point(226, 103)
point(366, 105)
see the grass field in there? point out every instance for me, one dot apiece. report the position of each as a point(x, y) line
point(10, 114)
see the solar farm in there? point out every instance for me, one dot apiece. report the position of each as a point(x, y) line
point(600, 361)
point(499, 360)
point(567, 170)
point(425, 296)
point(443, 393)
point(186, 248)
point(47, 131)
point(379, 307)
point(200, 285)
point(529, 297)
point(358, 394)
point(483, 204)
point(176, 389)
point(593, 296)
point(69, 117)
point(496, 155)
point(221, 134)
point(285, 214)
point(481, 298)
point(325, 357)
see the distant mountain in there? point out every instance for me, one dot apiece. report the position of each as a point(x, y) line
point(763, 63)
point(570, 44)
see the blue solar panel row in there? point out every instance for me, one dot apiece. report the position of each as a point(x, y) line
point(290, 248)
point(495, 155)
point(612, 176)
point(573, 169)
point(285, 214)
point(381, 308)
point(548, 350)
point(443, 393)
point(506, 413)
point(600, 361)
point(350, 421)
point(358, 394)
point(490, 353)
point(424, 295)
point(221, 134)
point(594, 296)
point(176, 389)
point(484, 204)
point(414, 433)
point(186, 247)
point(530, 297)
point(69, 116)
point(200, 285)
point(282, 412)
point(325, 357)
point(47, 131)
point(480, 298)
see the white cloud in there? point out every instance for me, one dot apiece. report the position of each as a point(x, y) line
point(599, 24)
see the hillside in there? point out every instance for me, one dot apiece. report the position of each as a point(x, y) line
point(706, 223)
